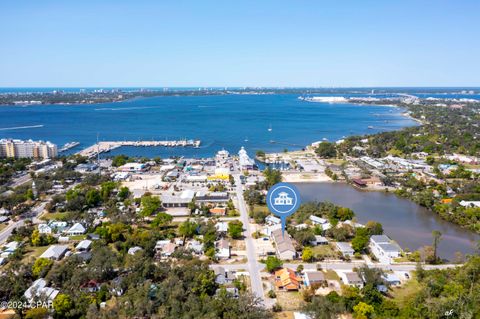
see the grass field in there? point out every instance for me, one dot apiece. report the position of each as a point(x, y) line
point(33, 252)
point(289, 300)
point(78, 237)
point(331, 275)
point(404, 293)
point(323, 251)
point(55, 216)
point(261, 208)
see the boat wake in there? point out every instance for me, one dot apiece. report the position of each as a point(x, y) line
point(19, 127)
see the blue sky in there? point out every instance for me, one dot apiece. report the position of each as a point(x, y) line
point(239, 43)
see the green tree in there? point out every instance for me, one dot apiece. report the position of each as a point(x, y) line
point(187, 229)
point(36, 238)
point(326, 150)
point(322, 307)
point(162, 220)
point(272, 177)
point(374, 228)
point(235, 229)
point(150, 205)
point(62, 305)
point(124, 193)
point(29, 195)
point(106, 189)
point(363, 311)
point(41, 266)
point(272, 263)
point(307, 254)
point(119, 160)
point(360, 241)
point(37, 313)
point(92, 197)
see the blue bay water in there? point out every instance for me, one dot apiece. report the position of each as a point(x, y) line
point(223, 121)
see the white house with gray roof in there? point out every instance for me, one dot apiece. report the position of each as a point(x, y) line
point(384, 249)
point(55, 252)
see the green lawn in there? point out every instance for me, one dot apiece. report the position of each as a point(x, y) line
point(33, 252)
point(78, 237)
point(261, 208)
point(404, 293)
point(331, 275)
point(323, 251)
point(54, 216)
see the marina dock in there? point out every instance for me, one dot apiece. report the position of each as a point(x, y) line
point(107, 146)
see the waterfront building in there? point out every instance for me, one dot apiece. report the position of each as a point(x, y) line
point(246, 163)
point(27, 149)
point(384, 249)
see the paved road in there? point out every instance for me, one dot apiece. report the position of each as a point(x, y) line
point(35, 211)
point(252, 265)
point(339, 265)
point(344, 266)
point(25, 178)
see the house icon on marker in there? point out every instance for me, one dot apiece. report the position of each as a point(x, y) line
point(283, 199)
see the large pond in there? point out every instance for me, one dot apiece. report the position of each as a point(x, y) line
point(404, 221)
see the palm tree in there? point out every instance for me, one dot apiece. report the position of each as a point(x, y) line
point(436, 239)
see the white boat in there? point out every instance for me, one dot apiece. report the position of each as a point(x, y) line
point(270, 128)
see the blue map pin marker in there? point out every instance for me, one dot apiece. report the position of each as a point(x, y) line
point(283, 199)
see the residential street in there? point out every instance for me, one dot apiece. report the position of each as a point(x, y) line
point(252, 265)
point(5, 233)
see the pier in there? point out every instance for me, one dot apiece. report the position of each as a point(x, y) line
point(107, 146)
point(68, 146)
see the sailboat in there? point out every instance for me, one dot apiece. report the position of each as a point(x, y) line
point(246, 139)
point(270, 128)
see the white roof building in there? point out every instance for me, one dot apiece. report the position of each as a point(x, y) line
point(222, 227)
point(244, 160)
point(83, 245)
point(40, 290)
point(55, 252)
point(44, 229)
point(272, 220)
point(76, 229)
point(384, 249)
point(222, 249)
point(345, 248)
point(318, 220)
point(284, 245)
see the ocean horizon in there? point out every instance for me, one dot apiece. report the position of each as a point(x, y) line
point(220, 122)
